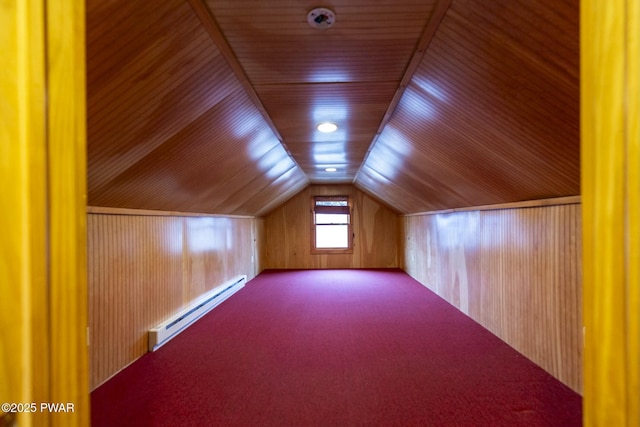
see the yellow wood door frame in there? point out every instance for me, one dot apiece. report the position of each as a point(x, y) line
point(610, 156)
point(43, 302)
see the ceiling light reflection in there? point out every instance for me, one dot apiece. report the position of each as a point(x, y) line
point(329, 152)
point(431, 88)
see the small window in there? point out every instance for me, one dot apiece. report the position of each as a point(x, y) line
point(331, 224)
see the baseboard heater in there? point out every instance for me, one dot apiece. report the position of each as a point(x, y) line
point(201, 306)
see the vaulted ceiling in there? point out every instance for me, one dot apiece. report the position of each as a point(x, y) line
point(211, 105)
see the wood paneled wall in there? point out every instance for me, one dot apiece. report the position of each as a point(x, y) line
point(288, 233)
point(515, 271)
point(259, 239)
point(610, 161)
point(43, 300)
point(144, 268)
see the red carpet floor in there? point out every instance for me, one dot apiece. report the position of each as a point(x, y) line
point(335, 348)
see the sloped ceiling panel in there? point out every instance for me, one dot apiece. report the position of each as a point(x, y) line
point(169, 125)
point(490, 116)
point(297, 109)
point(347, 74)
point(211, 105)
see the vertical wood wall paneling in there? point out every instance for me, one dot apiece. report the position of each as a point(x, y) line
point(42, 176)
point(24, 340)
point(515, 271)
point(142, 269)
point(288, 233)
point(259, 248)
point(610, 126)
point(67, 141)
point(633, 208)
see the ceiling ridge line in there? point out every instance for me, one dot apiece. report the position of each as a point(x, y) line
point(439, 12)
point(210, 24)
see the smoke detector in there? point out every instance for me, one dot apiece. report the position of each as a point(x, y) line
point(321, 18)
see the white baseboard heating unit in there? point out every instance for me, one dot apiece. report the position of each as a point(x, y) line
point(198, 308)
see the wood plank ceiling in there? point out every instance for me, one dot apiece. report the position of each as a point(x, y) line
point(211, 105)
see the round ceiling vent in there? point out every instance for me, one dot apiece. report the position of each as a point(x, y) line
point(321, 18)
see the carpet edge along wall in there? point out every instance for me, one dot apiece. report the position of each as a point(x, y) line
point(517, 272)
point(143, 268)
point(335, 347)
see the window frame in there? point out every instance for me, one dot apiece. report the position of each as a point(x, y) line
point(350, 237)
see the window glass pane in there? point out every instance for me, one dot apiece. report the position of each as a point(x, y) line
point(332, 236)
point(331, 203)
point(332, 219)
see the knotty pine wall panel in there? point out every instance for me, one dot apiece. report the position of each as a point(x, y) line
point(142, 269)
point(288, 233)
point(515, 271)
